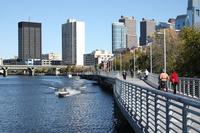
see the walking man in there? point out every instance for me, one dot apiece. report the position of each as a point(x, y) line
point(163, 80)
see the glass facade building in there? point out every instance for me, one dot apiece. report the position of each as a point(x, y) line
point(118, 37)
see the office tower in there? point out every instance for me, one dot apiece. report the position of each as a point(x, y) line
point(29, 40)
point(130, 24)
point(119, 33)
point(73, 42)
point(193, 12)
point(147, 29)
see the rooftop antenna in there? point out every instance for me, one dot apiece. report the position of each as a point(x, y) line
point(29, 18)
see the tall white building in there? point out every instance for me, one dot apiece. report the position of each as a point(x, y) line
point(73, 42)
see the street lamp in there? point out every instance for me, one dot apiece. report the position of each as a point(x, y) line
point(150, 41)
point(120, 62)
point(134, 61)
point(165, 57)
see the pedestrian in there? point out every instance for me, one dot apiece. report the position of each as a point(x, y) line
point(131, 73)
point(146, 74)
point(139, 74)
point(124, 74)
point(174, 80)
point(163, 78)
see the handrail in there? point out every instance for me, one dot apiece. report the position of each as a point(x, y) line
point(157, 111)
point(186, 86)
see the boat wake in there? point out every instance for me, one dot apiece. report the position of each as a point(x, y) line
point(66, 91)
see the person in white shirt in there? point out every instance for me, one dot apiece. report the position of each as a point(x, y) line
point(146, 74)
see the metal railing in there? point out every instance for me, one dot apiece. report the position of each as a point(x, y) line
point(156, 111)
point(186, 86)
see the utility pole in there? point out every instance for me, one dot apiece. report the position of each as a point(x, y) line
point(165, 58)
point(134, 61)
point(150, 57)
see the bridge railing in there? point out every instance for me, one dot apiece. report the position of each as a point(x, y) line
point(156, 111)
point(186, 86)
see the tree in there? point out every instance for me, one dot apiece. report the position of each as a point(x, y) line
point(189, 59)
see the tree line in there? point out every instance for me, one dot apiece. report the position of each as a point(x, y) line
point(182, 53)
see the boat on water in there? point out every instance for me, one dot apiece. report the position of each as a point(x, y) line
point(62, 92)
point(69, 76)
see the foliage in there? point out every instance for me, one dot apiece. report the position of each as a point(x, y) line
point(190, 52)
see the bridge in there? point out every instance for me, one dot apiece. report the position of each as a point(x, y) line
point(30, 68)
point(150, 110)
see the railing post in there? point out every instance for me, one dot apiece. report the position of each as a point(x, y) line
point(184, 119)
point(156, 113)
point(184, 84)
point(140, 89)
point(199, 88)
point(179, 86)
point(132, 100)
point(147, 107)
point(167, 115)
point(135, 100)
point(193, 88)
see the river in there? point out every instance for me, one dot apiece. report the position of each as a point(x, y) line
point(29, 105)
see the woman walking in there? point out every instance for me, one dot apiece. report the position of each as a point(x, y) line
point(174, 80)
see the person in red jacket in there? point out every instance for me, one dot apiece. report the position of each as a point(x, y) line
point(174, 80)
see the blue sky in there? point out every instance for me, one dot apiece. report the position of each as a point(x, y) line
point(97, 14)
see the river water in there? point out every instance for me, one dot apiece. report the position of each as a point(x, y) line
point(29, 105)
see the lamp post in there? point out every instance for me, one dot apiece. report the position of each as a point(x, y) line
point(115, 62)
point(134, 61)
point(150, 41)
point(164, 50)
point(150, 46)
point(120, 62)
point(165, 58)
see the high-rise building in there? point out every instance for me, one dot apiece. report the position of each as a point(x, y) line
point(193, 12)
point(29, 40)
point(118, 37)
point(147, 29)
point(73, 42)
point(130, 24)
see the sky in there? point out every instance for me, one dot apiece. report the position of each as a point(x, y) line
point(98, 16)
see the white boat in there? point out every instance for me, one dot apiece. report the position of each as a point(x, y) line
point(62, 92)
point(69, 76)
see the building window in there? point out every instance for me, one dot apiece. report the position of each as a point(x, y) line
point(197, 12)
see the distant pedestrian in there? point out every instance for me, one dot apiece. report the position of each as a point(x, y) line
point(132, 73)
point(139, 74)
point(124, 74)
point(163, 78)
point(174, 80)
point(146, 74)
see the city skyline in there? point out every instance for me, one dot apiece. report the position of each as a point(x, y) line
point(98, 22)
